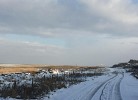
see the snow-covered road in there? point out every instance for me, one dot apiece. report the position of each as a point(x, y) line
point(106, 87)
point(109, 90)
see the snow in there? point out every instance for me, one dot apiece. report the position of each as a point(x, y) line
point(78, 92)
point(129, 87)
point(121, 86)
point(116, 84)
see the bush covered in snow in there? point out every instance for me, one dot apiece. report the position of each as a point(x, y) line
point(35, 85)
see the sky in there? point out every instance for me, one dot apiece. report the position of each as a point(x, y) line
point(68, 32)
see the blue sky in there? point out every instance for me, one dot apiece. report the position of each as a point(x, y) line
point(30, 38)
point(82, 32)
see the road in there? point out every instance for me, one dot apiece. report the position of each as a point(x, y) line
point(107, 90)
point(106, 87)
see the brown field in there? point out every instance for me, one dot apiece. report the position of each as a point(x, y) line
point(16, 70)
point(5, 69)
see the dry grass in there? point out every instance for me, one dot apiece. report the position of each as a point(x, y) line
point(5, 69)
point(16, 70)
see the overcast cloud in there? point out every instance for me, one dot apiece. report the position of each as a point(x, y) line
point(83, 32)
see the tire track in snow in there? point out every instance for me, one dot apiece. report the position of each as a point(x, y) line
point(117, 91)
point(75, 93)
point(82, 89)
point(105, 94)
point(92, 92)
point(111, 90)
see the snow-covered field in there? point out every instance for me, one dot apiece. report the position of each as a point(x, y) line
point(116, 84)
point(119, 86)
point(129, 87)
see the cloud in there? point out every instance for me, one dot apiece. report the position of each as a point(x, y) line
point(87, 31)
point(81, 51)
point(29, 17)
point(118, 17)
point(30, 52)
point(57, 17)
point(123, 11)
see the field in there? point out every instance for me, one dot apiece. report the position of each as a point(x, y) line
point(17, 68)
point(66, 83)
point(35, 81)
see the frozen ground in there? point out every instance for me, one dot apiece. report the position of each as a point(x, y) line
point(129, 87)
point(113, 86)
point(116, 84)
